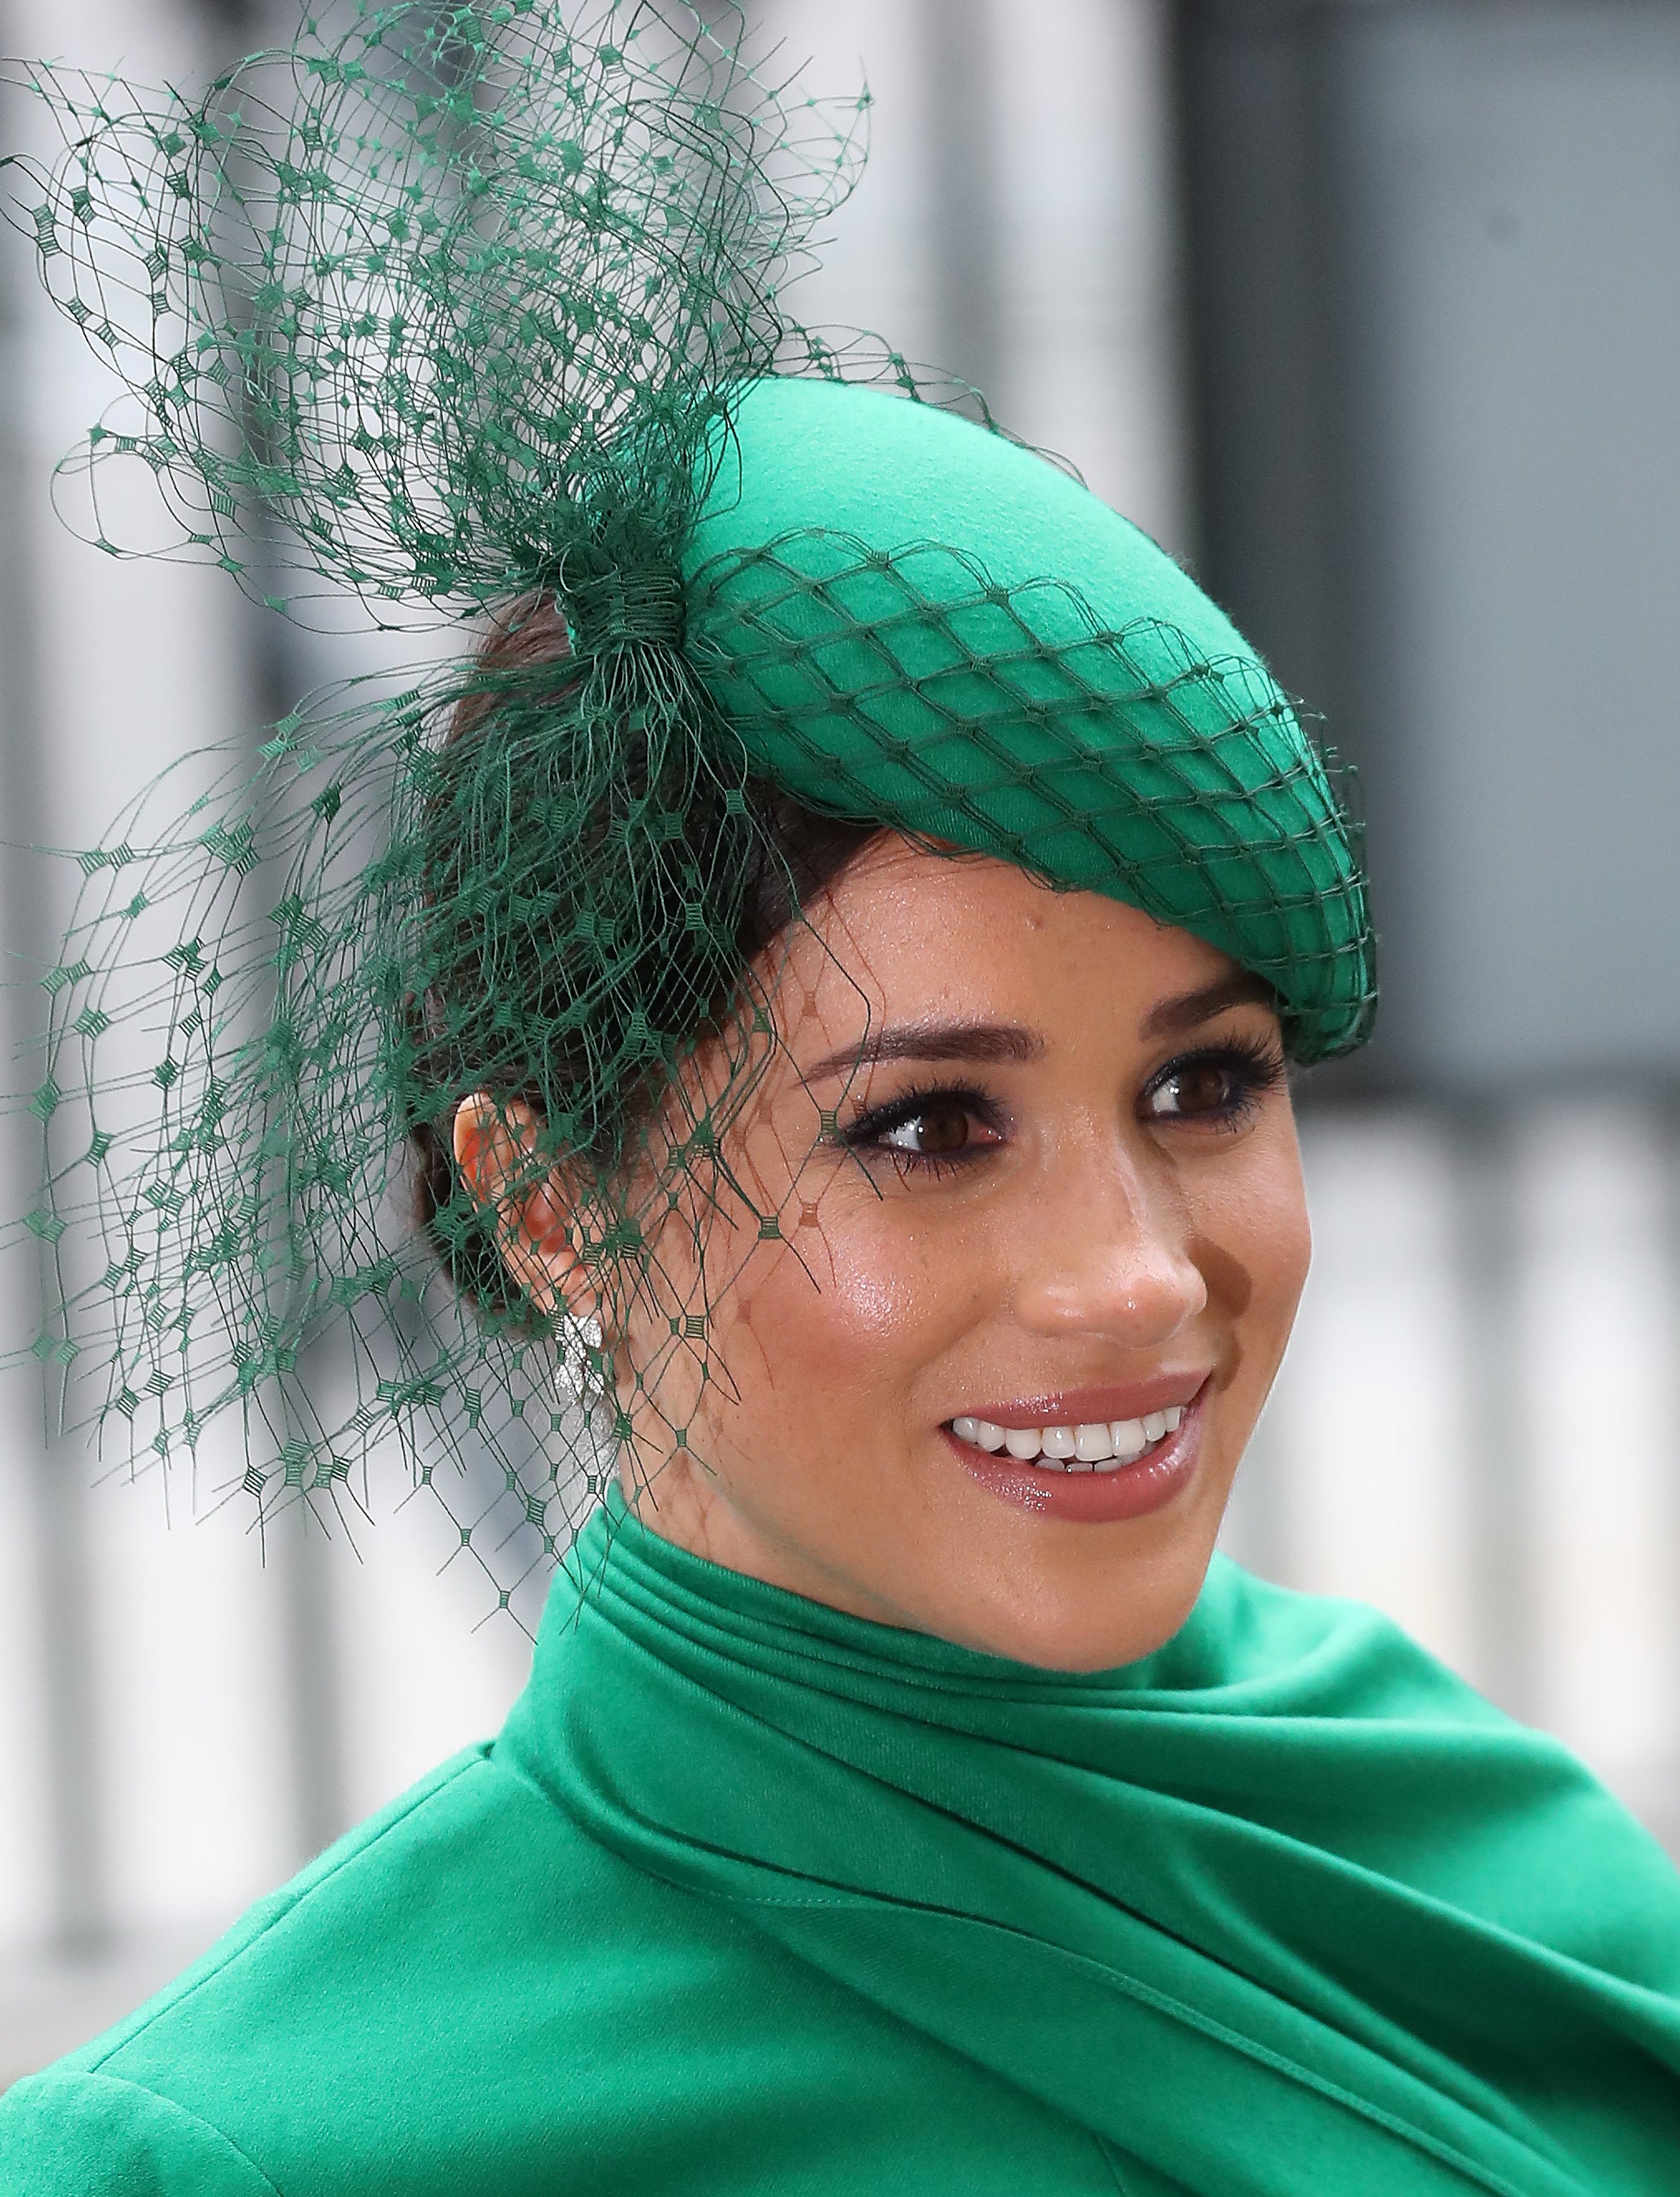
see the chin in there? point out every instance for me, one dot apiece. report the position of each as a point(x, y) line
point(1076, 1636)
point(1080, 1656)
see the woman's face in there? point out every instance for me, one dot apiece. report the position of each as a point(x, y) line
point(1034, 1170)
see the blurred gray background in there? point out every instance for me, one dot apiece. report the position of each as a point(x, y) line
point(1369, 310)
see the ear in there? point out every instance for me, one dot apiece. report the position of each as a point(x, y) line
point(496, 1147)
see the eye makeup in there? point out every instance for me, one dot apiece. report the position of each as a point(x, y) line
point(936, 1126)
point(1216, 1086)
point(929, 1130)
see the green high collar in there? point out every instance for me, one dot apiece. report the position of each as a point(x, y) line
point(1286, 1890)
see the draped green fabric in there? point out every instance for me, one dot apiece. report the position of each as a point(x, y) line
point(1286, 1889)
point(751, 1895)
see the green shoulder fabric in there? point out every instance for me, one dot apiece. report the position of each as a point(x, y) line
point(471, 1998)
point(1286, 1890)
point(909, 619)
point(98, 2137)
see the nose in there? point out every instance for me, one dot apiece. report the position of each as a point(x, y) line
point(1106, 1254)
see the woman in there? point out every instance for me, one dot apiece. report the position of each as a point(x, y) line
point(839, 966)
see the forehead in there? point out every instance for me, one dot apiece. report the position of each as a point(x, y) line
point(906, 930)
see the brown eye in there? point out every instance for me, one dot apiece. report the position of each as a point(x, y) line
point(1199, 1086)
point(929, 1131)
point(1219, 1088)
point(942, 1126)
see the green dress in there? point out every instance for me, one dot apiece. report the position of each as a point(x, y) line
point(753, 1897)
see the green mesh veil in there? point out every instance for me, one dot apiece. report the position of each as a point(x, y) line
point(472, 318)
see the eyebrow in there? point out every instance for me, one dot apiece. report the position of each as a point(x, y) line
point(934, 1040)
point(1013, 1041)
point(1242, 989)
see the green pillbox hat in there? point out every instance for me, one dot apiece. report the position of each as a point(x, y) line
point(910, 619)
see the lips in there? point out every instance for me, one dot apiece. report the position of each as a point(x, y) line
point(1098, 1446)
point(1088, 1456)
point(1072, 1407)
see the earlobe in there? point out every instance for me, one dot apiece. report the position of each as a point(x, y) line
point(496, 1145)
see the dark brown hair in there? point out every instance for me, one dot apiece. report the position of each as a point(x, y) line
point(799, 853)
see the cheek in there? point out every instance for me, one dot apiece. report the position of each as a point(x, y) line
point(856, 1303)
point(1253, 1242)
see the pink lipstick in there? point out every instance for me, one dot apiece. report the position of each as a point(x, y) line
point(1089, 1456)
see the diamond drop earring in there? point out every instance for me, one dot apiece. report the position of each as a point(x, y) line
point(579, 1373)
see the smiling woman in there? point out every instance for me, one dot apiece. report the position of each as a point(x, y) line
point(824, 976)
point(1048, 1199)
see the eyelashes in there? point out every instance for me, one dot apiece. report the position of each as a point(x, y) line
point(937, 1127)
point(1215, 1086)
point(929, 1130)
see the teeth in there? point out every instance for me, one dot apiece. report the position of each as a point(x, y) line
point(980, 1432)
point(1093, 1448)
